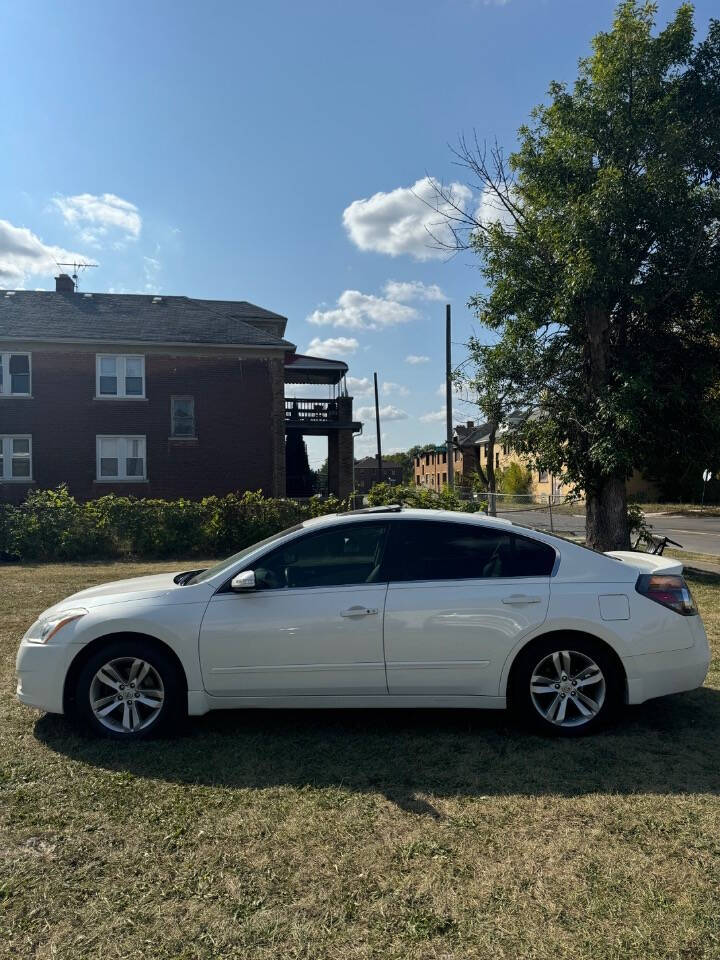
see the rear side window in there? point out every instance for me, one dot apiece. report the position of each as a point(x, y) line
point(433, 550)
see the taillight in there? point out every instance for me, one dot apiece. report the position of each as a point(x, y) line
point(668, 589)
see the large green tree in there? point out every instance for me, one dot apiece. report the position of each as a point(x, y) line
point(599, 243)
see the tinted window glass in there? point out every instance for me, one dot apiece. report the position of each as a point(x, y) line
point(347, 554)
point(432, 550)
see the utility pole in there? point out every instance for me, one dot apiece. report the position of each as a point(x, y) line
point(448, 400)
point(377, 427)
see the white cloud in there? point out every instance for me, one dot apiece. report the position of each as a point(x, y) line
point(389, 387)
point(456, 390)
point(94, 216)
point(332, 347)
point(414, 359)
point(492, 210)
point(152, 268)
point(438, 416)
point(23, 255)
point(387, 413)
point(359, 385)
point(434, 416)
point(407, 290)
point(404, 220)
point(363, 311)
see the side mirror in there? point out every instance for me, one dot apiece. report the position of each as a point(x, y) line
point(243, 582)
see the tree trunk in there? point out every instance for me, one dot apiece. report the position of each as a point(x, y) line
point(606, 500)
point(606, 522)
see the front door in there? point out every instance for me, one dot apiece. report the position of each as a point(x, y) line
point(313, 626)
point(460, 596)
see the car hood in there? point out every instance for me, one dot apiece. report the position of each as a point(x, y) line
point(136, 588)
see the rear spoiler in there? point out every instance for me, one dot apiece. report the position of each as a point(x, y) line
point(647, 562)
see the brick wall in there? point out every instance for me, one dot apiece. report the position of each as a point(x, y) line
point(238, 412)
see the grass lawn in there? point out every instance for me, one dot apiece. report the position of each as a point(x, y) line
point(339, 835)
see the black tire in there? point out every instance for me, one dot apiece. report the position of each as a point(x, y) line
point(164, 720)
point(528, 704)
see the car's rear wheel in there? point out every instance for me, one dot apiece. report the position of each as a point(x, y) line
point(566, 686)
point(129, 690)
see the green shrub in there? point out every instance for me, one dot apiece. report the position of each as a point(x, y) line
point(514, 478)
point(638, 525)
point(384, 494)
point(53, 525)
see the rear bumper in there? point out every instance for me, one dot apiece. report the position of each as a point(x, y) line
point(41, 670)
point(672, 671)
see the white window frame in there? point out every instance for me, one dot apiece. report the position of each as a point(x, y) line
point(182, 436)
point(6, 451)
point(121, 365)
point(6, 385)
point(122, 458)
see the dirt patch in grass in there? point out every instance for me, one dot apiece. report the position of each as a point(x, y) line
point(386, 834)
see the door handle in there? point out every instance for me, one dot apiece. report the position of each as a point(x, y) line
point(520, 598)
point(358, 612)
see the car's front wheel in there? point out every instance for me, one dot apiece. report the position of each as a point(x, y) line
point(567, 685)
point(128, 690)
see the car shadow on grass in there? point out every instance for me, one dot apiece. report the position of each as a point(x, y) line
point(666, 746)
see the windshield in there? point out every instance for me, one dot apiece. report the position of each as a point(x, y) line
point(238, 557)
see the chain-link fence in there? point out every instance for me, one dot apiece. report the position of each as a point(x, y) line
point(553, 512)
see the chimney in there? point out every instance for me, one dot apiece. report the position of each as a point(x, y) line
point(470, 425)
point(64, 284)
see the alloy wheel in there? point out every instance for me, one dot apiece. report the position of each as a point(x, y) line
point(126, 694)
point(567, 688)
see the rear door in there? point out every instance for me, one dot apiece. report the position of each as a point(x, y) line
point(460, 596)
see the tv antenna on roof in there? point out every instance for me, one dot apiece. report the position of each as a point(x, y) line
point(77, 267)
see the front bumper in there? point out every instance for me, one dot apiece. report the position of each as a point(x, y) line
point(671, 671)
point(41, 669)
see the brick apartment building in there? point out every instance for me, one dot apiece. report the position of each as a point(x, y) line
point(162, 396)
point(366, 473)
point(472, 448)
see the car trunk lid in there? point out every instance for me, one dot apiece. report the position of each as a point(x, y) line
point(647, 562)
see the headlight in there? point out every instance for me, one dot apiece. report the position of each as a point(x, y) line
point(45, 628)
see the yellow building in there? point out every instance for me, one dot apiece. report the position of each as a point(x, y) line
point(472, 449)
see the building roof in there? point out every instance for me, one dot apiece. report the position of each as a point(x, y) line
point(133, 318)
point(480, 433)
point(300, 368)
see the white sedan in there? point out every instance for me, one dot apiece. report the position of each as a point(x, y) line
point(385, 607)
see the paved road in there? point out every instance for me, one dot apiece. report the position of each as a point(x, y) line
point(696, 534)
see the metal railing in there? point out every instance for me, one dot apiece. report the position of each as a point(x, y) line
point(311, 411)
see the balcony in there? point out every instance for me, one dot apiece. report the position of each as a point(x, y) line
point(319, 416)
point(311, 411)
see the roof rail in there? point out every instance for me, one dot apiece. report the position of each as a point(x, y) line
point(390, 508)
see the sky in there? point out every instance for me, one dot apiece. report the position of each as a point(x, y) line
point(275, 151)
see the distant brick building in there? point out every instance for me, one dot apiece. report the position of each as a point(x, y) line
point(366, 473)
point(163, 396)
point(472, 450)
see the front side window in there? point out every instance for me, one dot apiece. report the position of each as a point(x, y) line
point(15, 458)
point(433, 550)
point(182, 417)
point(121, 458)
point(120, 375)
point(344, 555)
point(14, 374)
